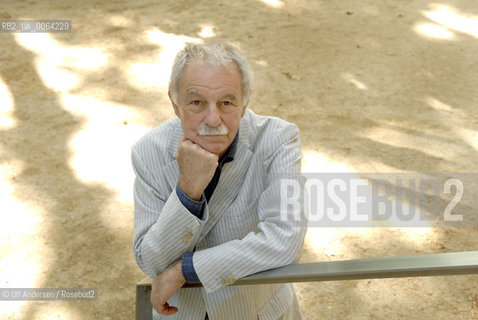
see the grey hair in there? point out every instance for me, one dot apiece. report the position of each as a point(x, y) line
point(216, 54)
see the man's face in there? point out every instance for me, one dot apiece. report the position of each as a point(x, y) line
point(210, 105)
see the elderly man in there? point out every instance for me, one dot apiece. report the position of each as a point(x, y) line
point(207, 195)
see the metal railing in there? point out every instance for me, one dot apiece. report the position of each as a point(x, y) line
point(441, 264)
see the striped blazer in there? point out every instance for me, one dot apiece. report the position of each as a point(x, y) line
point(241, 231)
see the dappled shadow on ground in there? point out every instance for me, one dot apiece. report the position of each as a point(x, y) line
point(71, 226)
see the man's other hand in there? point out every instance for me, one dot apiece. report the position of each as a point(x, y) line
point(196, 168)
point(164, 286)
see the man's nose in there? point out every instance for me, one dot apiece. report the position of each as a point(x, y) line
point(213, 115)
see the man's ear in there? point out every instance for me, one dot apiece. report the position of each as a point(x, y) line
point(243, 111)
point(175, 106)
point(245, 106)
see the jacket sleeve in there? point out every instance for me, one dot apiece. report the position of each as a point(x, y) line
point(279, 237)
point(163, 228)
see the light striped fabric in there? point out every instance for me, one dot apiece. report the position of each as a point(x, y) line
point(242, 232)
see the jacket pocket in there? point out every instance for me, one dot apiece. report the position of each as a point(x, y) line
point(277, 304)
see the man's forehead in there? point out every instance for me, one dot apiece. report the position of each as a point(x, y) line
point(194, 93)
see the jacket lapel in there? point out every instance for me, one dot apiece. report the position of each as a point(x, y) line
point(231, 179)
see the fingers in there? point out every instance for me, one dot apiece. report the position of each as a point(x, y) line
point(166, 309)
point(164, 286)
point(188, 142)
point(189, 146)
point(170, 310)
point(163, 308)
point(180, 143)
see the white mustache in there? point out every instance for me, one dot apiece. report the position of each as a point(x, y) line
point(207, 130)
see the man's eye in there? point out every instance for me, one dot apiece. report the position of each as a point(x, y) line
point(196, 102)
point(227, 103)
